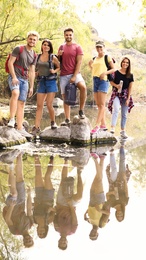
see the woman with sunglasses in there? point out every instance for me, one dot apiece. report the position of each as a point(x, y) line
point(46, 68)
point(121, 95)
point(100, 83)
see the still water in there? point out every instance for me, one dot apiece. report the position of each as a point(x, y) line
point(84, 188)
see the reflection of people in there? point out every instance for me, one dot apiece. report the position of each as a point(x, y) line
point(19, 222)
point(18, 80)
point(47, 86)
point(100, 83)
point(71, 55)
point(97, 199)
point(65, 221)
point(43, 212)
point(121, 98)
point(117, 196)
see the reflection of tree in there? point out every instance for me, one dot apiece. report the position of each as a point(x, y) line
point(138, 163)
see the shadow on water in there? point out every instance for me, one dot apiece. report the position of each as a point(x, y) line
point(70, 202)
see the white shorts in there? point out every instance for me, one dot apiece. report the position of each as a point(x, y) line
point(64, 80)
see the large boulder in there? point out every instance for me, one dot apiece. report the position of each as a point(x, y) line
point(10, 137)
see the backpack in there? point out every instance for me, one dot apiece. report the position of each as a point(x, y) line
point(21, 48)
point(110, 77)
point(70, 94)
point(51, 65)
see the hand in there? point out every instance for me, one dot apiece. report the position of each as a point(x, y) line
point(15, 81)
point(28, 190)
point(102, 76)
point(60, 52)
point(73, 78)
point(30, 92)
point(52, 71)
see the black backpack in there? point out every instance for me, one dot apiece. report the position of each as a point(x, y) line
point(109, 76)
point(70, 94)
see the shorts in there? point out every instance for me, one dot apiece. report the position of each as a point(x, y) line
point(44, 195)
point(20, 186)
point(100, 85)
point(22, 87)
point(64, 80)
point(47, 86)
point(96, 199)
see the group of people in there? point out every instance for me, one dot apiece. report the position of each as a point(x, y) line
point(26, 66)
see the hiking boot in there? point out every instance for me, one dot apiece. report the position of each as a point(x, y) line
point(81, 114)
point(11, 123)
point(24, 133)
point(66, 123)
point(94, 130)
point(35, 131)
point(123, 134)
point(53, 125)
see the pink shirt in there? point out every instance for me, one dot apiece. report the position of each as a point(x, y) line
point(69, 58)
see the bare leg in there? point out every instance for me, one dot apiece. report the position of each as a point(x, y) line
point(83, 94)
point(49, 100)
point(40, 104)
point(13, 103)
point(20, 114)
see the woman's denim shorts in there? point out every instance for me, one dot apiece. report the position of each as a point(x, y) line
point(100, 85)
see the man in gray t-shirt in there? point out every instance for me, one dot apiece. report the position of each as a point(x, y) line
point(22, 70)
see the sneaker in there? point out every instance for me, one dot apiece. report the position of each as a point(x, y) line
point(66, 123)
point(103, 127)
point(81, 114)
point(112, 131)
point(35, 131)
point(11, 122)
point(53, 125)
point(123, 134)
point(95, 130)
point(24, 133)
point(94, 155)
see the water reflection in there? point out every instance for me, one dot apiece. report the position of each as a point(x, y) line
point(49, 195)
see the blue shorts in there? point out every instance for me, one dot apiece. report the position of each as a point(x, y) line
point(96, 199)
point(22, 87)
point(64, 80)
point(20, 186)
point(47, 86)
point(44, 195)
point(100, 85)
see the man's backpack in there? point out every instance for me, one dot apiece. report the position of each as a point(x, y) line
point(70, 94)
point(21, 48)
point(110, 77)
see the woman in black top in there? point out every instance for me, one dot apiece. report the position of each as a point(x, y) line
point(121, 95)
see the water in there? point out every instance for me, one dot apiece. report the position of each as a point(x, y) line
point(122, 240)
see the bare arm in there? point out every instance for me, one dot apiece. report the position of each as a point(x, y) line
point(77, 68)
point(73, 214)
point(129, 92)
point(29, 202)
point(112, 70)
point(31, 75)
point(57, 64)
point(12, 71)
point(9, 214)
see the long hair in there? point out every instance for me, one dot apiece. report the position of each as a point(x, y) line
point(49, 43)
point(128, 70)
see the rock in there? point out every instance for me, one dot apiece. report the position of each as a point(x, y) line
point(80, 131)
point(60, 134)
point(10, 137)
point(57, 102)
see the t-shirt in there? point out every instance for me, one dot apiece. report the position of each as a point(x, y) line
point(70, 52)
point(99, 66)
point(26, 58)
point(126, 81)
point(94, 215)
